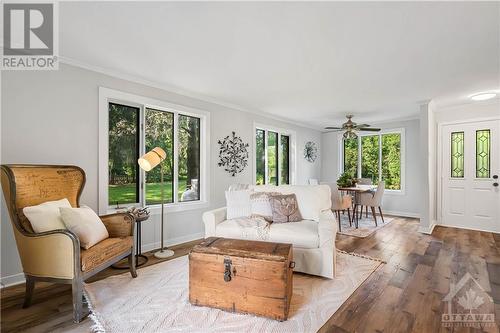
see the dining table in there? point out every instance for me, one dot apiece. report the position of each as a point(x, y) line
point(357, 191)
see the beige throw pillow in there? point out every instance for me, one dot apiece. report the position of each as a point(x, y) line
point(261, 205)
point(285, 208)
point(46, 216)
point(84, 223)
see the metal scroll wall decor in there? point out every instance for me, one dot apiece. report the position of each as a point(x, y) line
point(233, 154)
point(310, 151)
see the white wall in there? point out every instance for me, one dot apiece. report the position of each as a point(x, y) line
point(51, 117)
point(407, 204)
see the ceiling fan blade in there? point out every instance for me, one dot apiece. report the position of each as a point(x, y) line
point(334, 130)
point(369, 129)
point(361, 125)
point(330, 127)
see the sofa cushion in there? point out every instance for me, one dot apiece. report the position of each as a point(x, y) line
point(303, 234)
point(46, 216)
point(312, 199)
point(103, 251)
point(85, 224)
point(244, 228)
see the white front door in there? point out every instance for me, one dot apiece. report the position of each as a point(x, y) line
point(469, 173)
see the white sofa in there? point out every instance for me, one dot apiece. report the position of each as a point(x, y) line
point(313, 238)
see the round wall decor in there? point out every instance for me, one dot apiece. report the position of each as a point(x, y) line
point(310, 151)
point(233, 154)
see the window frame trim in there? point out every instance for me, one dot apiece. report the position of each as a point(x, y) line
point(292, 155)
point(107, 95)
point(401, 132)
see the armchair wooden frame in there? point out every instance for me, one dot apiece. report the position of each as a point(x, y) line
point(60, 260)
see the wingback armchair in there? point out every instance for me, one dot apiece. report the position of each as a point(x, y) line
point(56, 256)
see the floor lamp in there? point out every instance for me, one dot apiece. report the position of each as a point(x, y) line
point(147, 163)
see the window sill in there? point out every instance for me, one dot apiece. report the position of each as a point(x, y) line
point(394, 192)
point(170, 208)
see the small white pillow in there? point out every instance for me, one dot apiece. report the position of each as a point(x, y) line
point(84, 223)
point(261, 205)
point(46, 216)
point(238, 204)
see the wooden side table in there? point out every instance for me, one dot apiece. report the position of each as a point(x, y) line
point(140, 259)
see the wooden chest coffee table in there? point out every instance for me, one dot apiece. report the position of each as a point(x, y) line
point(242, 276)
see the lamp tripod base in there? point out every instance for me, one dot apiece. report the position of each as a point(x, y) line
point(164, 253)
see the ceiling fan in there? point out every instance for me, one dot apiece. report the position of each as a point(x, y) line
point(351, 127)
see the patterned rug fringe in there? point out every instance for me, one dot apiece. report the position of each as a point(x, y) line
point(96, 323)
point(362, 256)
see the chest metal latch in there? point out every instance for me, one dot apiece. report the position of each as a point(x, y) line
point(227, 269)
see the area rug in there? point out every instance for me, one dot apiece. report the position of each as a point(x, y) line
point(366, 225)
point(157, 301)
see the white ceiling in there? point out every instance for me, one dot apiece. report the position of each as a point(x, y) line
point(309, 62)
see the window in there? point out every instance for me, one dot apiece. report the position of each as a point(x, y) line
point(135, 128)
point(457, 155)
point(483, 154)
point(159, 132)
point(123, 154)
point(377, 157)
point(272, 157)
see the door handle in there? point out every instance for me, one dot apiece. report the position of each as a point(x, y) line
point(495, 176)
point(495, 184)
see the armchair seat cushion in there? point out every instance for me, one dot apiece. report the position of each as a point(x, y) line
point(104, 251)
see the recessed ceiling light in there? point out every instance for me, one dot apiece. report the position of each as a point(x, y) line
point(483, 96)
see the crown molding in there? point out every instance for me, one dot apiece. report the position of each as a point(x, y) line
point(179, 91)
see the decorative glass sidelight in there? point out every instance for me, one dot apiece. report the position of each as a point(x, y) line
point(483, 153)
point(457, 154)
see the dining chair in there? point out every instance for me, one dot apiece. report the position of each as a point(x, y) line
point(340, 203)
point(365, 181)
point(374, 200)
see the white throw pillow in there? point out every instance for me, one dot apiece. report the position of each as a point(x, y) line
point(238, 204)
point(46, 216)
point(84, 223)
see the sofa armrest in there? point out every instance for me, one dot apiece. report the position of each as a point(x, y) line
point(212, 218)
point(54, 254)
point(119, 224)
point(327, 229)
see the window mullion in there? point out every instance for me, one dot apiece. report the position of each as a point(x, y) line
point(266, 172)
point(175, 156)
point(278, 159)
point(380, 157)
point(142, 151)
point(359, 157)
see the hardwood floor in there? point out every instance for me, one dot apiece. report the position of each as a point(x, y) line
point(404, 295)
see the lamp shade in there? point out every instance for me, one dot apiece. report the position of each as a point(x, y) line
point(151, 159)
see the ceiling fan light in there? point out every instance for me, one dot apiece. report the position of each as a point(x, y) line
point(483, 96)
point(350, 135)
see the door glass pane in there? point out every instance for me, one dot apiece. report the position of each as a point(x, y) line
point(189, 158)
point(285, 159)
point(351, 156)
point(159, 132)
point(370, 157)
point(483, 154)
point(123, 187)
point(457, 154)
point(272, 158)
point(391, 160)
point(260, 158)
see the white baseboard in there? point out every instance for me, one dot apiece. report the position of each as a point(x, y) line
point(403, 214)
point(427, 229)
point(172, 241)
point(466, 228)
point(11, 280)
